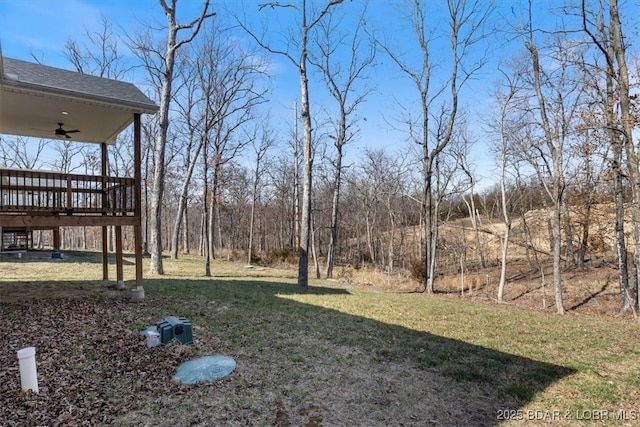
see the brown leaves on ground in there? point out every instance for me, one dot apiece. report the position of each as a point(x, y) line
point(94, 368)
point(92, 362)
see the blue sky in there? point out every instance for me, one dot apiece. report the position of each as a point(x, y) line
point(41, 28)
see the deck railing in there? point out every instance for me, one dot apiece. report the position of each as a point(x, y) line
point(29, 191)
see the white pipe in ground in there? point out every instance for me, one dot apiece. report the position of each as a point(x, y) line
point(28, 373)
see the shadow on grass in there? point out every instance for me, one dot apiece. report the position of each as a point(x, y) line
point(28, 290)
point(590, 297)
point(297, 361)
point(526, 292)
point(40, 255)
point(479, 383)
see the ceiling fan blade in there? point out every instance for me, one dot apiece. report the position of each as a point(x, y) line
point(72, 131)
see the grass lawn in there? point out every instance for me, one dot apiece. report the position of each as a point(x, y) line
point(328, 355)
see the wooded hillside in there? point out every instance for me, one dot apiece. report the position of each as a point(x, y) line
point(552, 129)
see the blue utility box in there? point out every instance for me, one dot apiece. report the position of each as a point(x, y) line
point(175, 328)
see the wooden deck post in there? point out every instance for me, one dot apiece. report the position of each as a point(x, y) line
point(105, 235)
point(56, 238)
point(119, 270)
point(137, 228)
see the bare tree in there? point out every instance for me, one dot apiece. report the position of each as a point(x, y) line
point(460, 150)
point(594, 24)
point(626, 124)
point(281, 175)
point(166, 79)
point(466, 21)
point(231, 81)
point(557, 97)
point(67, 151)
point(188, 102)
point(261, 146)
point(341, 76)
point(504, 101)
point(380, 193)
point(368, 224)
point(300, 60)
point(20, 152)
point(553, 142)
point(205, 241)
point(99, 56)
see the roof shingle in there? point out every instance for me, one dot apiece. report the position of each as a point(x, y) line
point(74, 83)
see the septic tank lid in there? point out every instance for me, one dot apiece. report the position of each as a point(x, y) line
point(205, 368)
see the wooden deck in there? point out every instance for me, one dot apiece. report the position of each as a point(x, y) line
point(31, 198)
point(42, 200)
point(57, 193)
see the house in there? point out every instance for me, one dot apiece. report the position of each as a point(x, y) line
point(47, 102)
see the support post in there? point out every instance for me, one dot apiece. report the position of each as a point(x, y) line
point(119, 270)
point(56, 239)
point(105, 236)
point(137, 228)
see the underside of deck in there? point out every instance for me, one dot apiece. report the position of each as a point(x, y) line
point(44, 200)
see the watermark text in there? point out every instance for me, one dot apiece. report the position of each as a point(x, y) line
point(558, 414)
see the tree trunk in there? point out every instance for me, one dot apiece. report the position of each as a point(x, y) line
point(177, 225)
point(503, 196)
point(557, 267)
point(184, 198)
point(621, 245)
point(473, 217)
point(186, 244)
point(205, 241)
point(569, 253)
point(390, 252)
point(462, 260)
point(427, 209)
point(295, 237)
point(211, 222)
point(372, 254)
point(252, 214)
point(307, 162)
point(157, 194)
point(316, 264)
point(554, 144)
point(503, 260)
point(218, 222)
point(584, 238)
point(333, 228)
point(157, 191)
point(213, 209)
point(627, 120)
point(617, 142)
point(434, 241)
point(206, 247)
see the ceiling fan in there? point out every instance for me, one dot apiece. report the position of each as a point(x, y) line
point(61, 132)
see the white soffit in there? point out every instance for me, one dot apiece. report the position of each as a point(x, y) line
point(34, 99)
